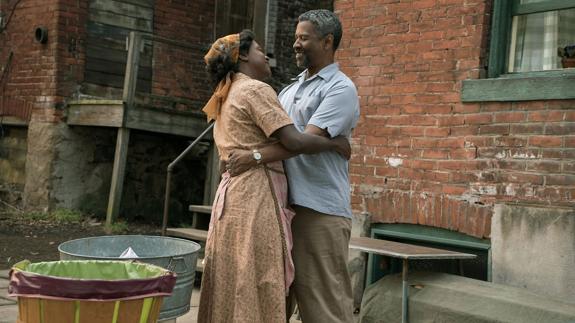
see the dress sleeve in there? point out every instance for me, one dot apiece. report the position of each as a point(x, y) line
point(266, 110)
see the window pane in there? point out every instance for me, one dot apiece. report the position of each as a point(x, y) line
point(535, 39)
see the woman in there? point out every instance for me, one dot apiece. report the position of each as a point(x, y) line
point(248, 268)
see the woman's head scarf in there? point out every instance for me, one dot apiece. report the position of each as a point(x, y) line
point(225, 46)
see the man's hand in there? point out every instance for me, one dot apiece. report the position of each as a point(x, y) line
point(240, 161)
point(343, 147)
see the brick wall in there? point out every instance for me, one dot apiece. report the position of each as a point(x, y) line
point(40, 76)
point(421, 155)
point(30, 75)
point(178, 71)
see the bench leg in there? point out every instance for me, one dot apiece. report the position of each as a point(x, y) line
point(405, 295)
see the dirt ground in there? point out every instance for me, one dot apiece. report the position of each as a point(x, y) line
point(38, 240)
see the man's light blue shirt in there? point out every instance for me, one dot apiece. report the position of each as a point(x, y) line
point(327, 100)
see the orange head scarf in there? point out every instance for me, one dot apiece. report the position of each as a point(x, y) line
point(228, 45)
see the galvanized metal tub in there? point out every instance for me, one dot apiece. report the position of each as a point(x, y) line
point(178, 255)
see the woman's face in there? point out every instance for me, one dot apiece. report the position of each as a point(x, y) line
point(258, 62)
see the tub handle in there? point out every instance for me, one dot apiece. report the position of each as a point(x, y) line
point(173, 262)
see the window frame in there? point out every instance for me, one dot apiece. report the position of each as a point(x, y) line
point(525, 86)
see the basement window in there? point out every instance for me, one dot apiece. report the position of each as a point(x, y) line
point(478, 268)
point(532, 42)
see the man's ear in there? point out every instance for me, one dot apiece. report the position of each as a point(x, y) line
point(243, 58)
point(328, 42)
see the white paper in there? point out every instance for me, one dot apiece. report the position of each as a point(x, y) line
point(129, 253)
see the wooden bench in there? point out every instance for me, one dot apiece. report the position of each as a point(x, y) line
point(405, 252)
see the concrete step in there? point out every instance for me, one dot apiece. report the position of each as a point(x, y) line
point(201, 209)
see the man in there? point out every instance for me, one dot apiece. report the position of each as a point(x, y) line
point(322, 101)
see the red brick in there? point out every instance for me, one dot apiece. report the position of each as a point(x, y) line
point(483, 118)
point(434, 154)
point(545, 141)
point(545, 116)
point(536, 128)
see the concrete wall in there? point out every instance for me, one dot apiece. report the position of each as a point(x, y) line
point(82, 174)
point(534, 248)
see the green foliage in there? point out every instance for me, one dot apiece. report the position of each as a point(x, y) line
point(68, 216)
point(36, 216)
point(59, 215)
point(118, 227)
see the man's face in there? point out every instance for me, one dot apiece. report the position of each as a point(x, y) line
point(308, 46)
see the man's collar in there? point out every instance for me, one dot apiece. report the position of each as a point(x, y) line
point(325, 73)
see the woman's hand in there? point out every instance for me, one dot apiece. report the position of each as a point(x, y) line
point(343, 146)
point(240, 161)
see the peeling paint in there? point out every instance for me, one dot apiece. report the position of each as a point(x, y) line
point(510, 190)
point(370, 190)
point(524, 155)
point(471, 198)
point(484, 189)
point(500, 155)
point(394, 162)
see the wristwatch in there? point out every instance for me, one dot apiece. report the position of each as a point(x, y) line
point(257, 156)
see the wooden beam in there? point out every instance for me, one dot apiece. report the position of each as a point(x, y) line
point(162, 121)
point(103, 113)
point(12, 121)
point(111, 113)
point(123, 138)
point(118, 174)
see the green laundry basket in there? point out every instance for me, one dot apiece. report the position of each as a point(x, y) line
point(89, 291)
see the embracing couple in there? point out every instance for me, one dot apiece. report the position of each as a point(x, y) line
point(268, 248)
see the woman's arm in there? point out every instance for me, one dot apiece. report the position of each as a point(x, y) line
point(292, 143)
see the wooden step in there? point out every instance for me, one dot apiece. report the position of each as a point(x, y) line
point(203, 209)
point(188, 233)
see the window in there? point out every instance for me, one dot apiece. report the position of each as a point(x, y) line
point(478, 268)
point(527, 60)
point(539, 30)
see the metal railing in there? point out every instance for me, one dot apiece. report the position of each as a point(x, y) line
point(169, 175)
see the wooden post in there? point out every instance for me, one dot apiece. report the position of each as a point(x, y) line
point(123, 139)
point(260, 21)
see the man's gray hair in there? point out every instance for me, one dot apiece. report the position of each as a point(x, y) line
point(325, 22)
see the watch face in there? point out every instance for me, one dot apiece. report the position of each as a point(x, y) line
point(257, 155)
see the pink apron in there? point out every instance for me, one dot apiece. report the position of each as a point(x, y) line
point(279, 187)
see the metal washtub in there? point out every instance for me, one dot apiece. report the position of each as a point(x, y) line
point(178, 255)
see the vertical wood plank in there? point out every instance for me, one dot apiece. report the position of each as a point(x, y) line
point(28, 309)
point(130, 311)
point(96, 312)
point(118, 175)
point(259, 21)
point(123, 139)
point(57, 311)
point(155, 310)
